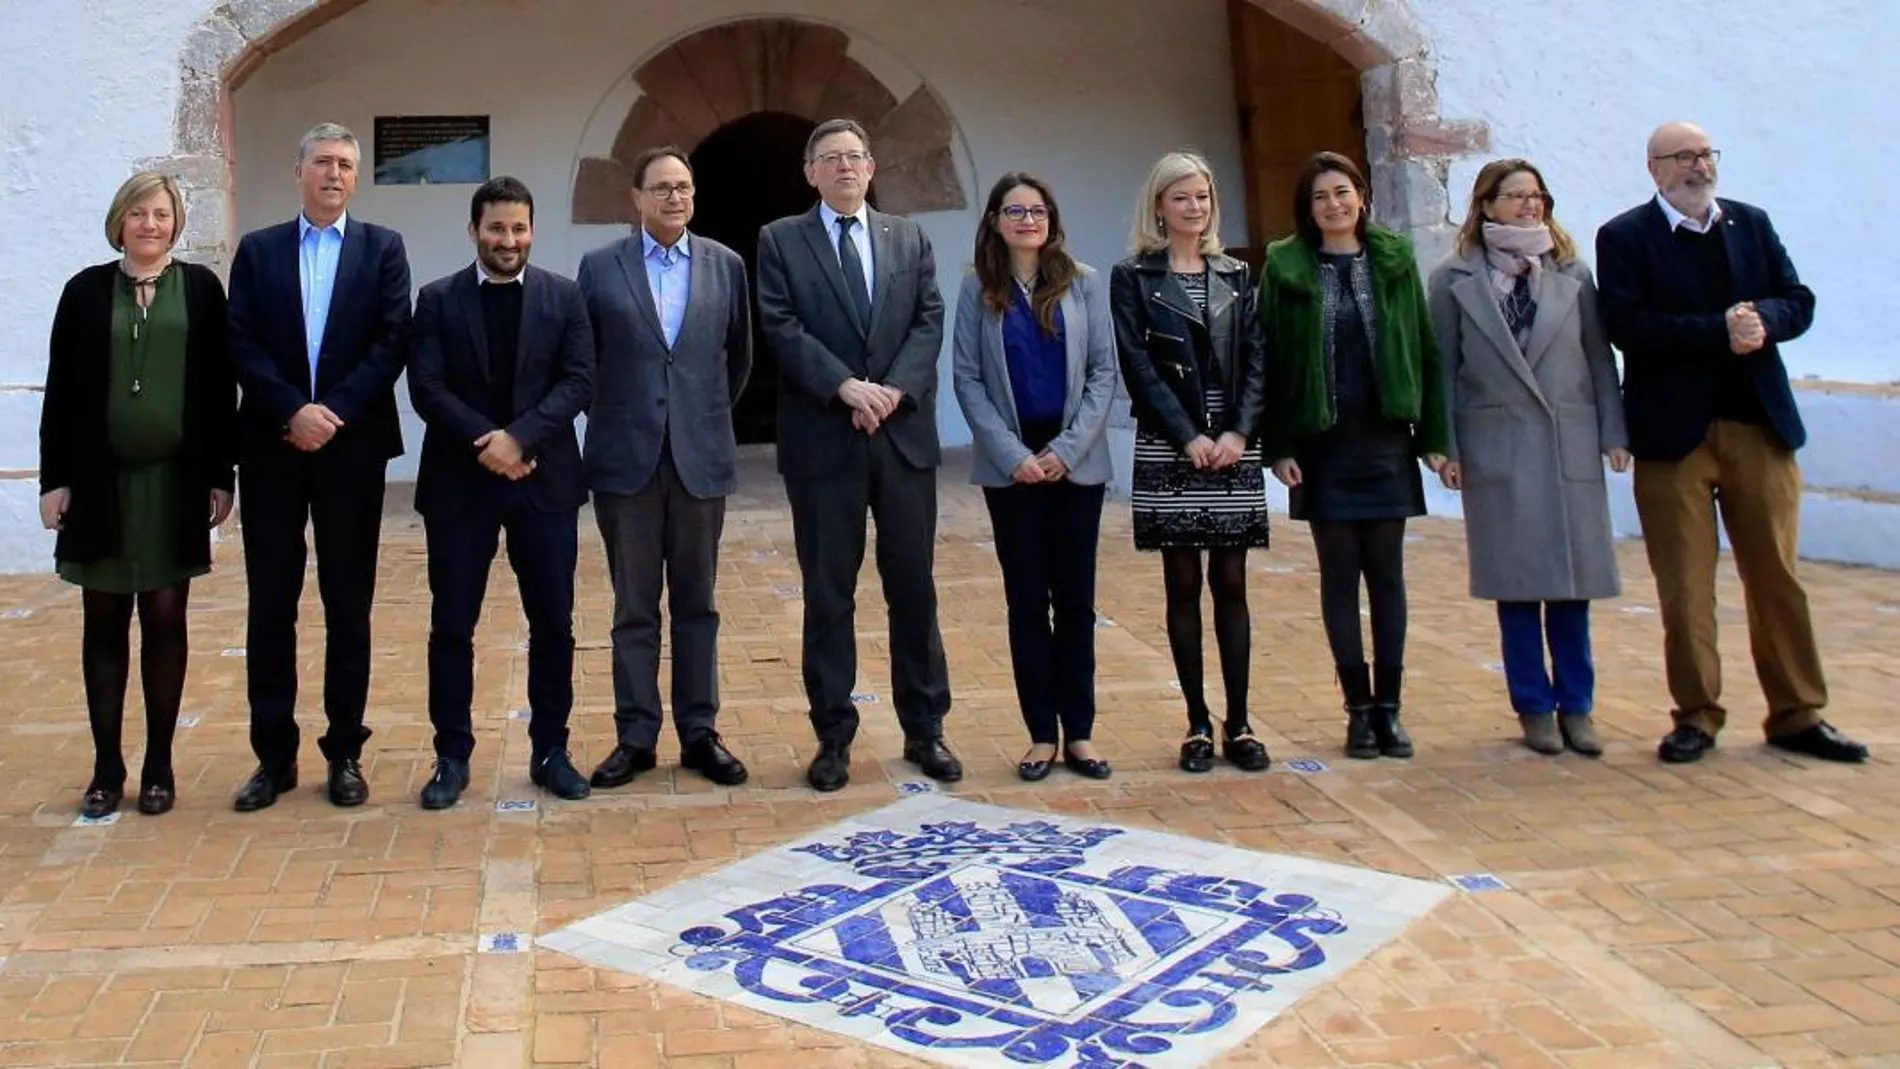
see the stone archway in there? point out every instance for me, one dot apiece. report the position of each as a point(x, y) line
point(1410, 146)
point(717, 76)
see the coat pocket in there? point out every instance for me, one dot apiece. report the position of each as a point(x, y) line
point(1579, 447)
point(1487, 441)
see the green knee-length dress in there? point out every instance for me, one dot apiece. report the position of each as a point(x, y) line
point(145, 424)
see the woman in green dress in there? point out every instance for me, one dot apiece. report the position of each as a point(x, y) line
point(136, 468)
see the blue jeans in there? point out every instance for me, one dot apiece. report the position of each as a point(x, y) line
point(1570, 684)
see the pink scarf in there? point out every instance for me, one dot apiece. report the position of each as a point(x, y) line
point(1513, 251)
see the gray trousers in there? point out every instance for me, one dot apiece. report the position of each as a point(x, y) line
point(662, 534)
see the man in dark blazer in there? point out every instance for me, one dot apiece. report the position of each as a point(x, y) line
point(318, 309)
point(501, 363)
point(673, 325)
point(1699, 294)
point(849, 303)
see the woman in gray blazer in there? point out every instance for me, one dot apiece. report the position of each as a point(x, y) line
point(1535, 408)
point(1035, 374)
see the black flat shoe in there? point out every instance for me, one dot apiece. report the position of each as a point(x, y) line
point(622, 765)
point(157, 800)
point(101, 802)
point(1822, 741)
point(1090, 767)
point(556, 774)
point(1685, 745)
point(830, 770)
point(262, 789)
point(1197, 753)
point(1033, 771)
point(1245, 752)
point(708, 756)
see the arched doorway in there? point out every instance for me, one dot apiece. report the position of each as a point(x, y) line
point(748, 173)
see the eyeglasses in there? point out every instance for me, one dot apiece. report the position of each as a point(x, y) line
point(1689, 158)
point(1016, 213)
point(679, 192)
point(834, 159)
point(1524, 196)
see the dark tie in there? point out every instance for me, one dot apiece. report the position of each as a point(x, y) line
point(853, 265)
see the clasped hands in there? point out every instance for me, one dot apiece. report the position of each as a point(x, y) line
point(871, 403)
point(312, 426)
point(1746, 331)
point(501, 454)
point(1216, 454)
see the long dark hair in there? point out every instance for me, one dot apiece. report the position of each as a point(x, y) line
point(1327, 163)
point(1057, 271)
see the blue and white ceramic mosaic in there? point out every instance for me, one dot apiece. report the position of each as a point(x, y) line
point(970, 935)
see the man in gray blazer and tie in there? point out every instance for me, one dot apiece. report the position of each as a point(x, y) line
point(849, 304)
point(673, 329)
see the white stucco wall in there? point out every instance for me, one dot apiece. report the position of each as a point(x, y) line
point(1800, 105)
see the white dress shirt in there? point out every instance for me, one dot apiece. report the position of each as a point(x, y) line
point(1677, 219)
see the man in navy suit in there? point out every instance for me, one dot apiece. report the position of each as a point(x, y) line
point(318, 309)
point(1699, 294)
point(501, 362)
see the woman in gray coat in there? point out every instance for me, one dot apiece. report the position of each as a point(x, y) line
point(1535, 408)
point(1034, 371)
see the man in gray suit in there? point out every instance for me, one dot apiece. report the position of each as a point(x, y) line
point(673, 330)
point(849, 303)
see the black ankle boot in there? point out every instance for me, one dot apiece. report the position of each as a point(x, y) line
point(1391, 736)
point(1355, 684)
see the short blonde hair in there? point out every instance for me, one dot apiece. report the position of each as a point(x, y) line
point(137, 188)
point(1149, 234)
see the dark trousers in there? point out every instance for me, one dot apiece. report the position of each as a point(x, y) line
point(828, 513)
point(342, 499)
point(1046, 537)
point(542, 548)
point(663, 536)
point(1569, 686)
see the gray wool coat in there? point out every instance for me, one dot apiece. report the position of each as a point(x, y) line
point(1530, 429)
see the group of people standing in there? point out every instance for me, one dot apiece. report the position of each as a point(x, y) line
point(1339, 370)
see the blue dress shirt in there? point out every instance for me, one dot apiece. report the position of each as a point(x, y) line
point(670, 277)
point(319, 250)
point(1038, 362)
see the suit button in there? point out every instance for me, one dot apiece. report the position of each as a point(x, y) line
point(660, 401)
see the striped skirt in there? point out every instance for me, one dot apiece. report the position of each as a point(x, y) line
point(1176, 506)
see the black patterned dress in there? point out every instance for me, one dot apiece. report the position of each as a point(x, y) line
point(1178, 506)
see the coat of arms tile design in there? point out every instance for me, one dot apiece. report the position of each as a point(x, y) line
point(972, 935)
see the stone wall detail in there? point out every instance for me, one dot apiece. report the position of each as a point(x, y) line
point(715, 76)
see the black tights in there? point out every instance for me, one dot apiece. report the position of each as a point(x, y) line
point(1348, 550)
point(107, 660)
point(1233, 630)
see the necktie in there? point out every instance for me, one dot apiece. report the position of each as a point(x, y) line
point(853, 266)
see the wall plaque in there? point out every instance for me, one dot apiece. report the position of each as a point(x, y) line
point(414, 150)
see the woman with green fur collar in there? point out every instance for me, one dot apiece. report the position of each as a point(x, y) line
point(1354, 401)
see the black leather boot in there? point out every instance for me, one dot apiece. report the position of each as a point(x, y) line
point(1391, 736)
point(1355, 683)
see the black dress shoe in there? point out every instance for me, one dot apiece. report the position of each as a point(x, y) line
point(262, 789)
point(831, 769)
point(934, 758)
point(556, 773)
point(1033, 771)
point(1822, 741)
point(156, 799)
point(1091, 767)
point(447, 785)
point(1197, 753)
point(101, 801)
point(348, 788)
point(1685, 744)
point(708, 756)
point(1245, 752)
point(622, 765)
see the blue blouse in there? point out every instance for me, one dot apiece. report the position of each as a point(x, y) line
point(1038, 362)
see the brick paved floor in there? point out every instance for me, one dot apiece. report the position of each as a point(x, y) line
point(1742, 912)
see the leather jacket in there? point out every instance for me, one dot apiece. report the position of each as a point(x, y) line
point(1166, 345)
